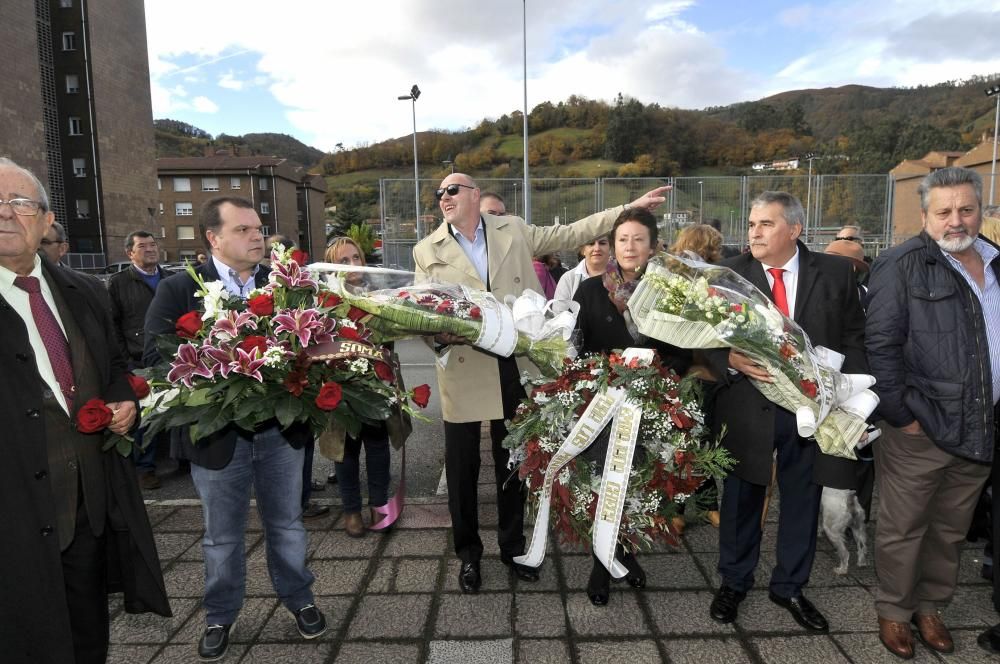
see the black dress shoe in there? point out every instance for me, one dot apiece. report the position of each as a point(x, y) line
point(726, 604)
point(990, 639)
point(214, 643)
point(469, 578)
point(636, 576)
point(599, 585)
point(310, 621)
point(803, 612)
point(522, 572)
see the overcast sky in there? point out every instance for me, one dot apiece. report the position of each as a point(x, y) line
point(329, 72)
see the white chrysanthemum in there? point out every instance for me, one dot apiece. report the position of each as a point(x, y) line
point(274, 357)
point(359, 365)
point(540, 398)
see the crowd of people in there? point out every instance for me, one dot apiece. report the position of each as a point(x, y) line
point(930, 337)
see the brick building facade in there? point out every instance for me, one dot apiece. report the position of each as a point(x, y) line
point(76, 110)
point(289, 200)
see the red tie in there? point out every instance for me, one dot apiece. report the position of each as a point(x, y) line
point(778, 290)
point(52, 336)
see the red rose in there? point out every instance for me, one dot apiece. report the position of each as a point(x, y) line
point(475, 313)
point(356, 314)
point(385, 372)
point(93, 416)
point(808, 388)
point(348, 333)
point(329, 396)
point(254, 341)
point(328, 300)
point(189, 325)
point(421, 395)
point(139, 386)
point(262, 305)
point(300, 256)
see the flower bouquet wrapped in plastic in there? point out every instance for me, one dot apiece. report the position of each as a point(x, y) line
point(695, 305)
point(524, 325)
point(657, 453)
point(249, 362)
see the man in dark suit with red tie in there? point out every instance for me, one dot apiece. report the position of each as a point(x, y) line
point(68, 511)
point(819, 292)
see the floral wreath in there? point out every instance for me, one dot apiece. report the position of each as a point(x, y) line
point(672, 460)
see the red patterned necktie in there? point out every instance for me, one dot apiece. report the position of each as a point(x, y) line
point(778, 290)
point(52, 336)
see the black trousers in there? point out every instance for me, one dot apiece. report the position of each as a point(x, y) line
point(462, 462)
point(742, 507)
point(84, 574)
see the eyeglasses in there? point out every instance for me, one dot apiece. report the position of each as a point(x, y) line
point(451, 190)
point(851, 238)
point(23, 206)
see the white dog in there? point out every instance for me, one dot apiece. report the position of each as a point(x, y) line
point(840, 511)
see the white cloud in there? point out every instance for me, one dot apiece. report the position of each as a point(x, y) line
point(204, 105)
point(230, 82)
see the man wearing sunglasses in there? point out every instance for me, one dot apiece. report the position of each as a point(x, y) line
point(490, 253)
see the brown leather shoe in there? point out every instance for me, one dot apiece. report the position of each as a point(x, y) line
point(354, 526)
point(896, 637)
point(714, 518)
point(933, 632)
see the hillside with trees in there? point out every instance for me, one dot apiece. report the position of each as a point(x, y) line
point(179, 139)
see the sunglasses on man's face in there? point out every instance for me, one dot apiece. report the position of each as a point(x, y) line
point(451, 190)
point(851, 238)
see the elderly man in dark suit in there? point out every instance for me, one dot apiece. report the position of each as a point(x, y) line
point(67, 509)
point(226, 464)
point(819, 292)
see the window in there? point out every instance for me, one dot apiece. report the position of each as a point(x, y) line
point(187, 255)
point(265, 230)
point(72, 84)
point(74, 127)
point(161, 208)
point(210, 184)
point(79, 168)
point(234, 183)
point(264, 184)
point(159, 185)
point(182, 184)
point(265, 208)
point(66, 4)
point(82, 208)
point(183, 209)
point(185, 232)
point(69, 41)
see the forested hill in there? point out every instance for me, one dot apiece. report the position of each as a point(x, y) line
point(179, 139)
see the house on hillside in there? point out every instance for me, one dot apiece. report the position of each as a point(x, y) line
point(906, 177)
point(289, 200)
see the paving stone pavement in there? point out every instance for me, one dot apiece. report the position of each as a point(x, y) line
point(394, 598)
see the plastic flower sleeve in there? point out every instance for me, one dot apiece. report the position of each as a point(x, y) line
point(696, 305)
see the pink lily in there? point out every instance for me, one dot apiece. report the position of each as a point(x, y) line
point(290, 275)
point(220, 357)
point(303, 323)
point(247, 364)
point(227, 327)
point(187, 365)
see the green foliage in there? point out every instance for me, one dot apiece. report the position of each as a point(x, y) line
point(364, 236)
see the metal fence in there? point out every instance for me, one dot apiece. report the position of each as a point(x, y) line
point(831, 201)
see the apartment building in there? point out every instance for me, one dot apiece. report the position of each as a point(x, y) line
point(289, 200)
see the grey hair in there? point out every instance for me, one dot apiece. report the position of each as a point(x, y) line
point(953, 176)
point(43, 197)
point(60, 231)
point(793, 211)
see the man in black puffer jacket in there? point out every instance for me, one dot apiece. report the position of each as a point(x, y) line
point(933, 344)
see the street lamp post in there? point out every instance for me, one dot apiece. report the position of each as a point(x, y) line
point(449, 162)
point(524, 59)
point(994, 91)
point(413, 96)
point(516, 185)
point(809, 180)
point(701, 202)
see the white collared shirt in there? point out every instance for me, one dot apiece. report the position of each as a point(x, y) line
point(231, 279)
point(475, 250)
point(790, 277)
point(19, 302)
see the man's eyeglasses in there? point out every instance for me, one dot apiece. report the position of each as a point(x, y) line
point(852, 238)
point(23, 206)
point(451, 190)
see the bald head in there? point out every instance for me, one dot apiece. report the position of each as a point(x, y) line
point(458, 198)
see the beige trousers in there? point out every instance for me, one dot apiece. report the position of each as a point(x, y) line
point(926, 501)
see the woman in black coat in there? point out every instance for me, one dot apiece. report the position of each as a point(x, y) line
point(604, 325)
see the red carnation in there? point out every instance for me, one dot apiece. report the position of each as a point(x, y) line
point(254, 341)
point(385, 372)
point(328, 300)
point(189, 325)
point(300, 256)
point(475, 313)
point(421, 395)
point(356, 314)
point(329, 396)
point(262, 305)
point(93, 416)
point(348, 333)
point(139, 386)
point(808, 388)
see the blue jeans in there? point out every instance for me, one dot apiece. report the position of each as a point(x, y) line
point(376, 442)
point(274, 468)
